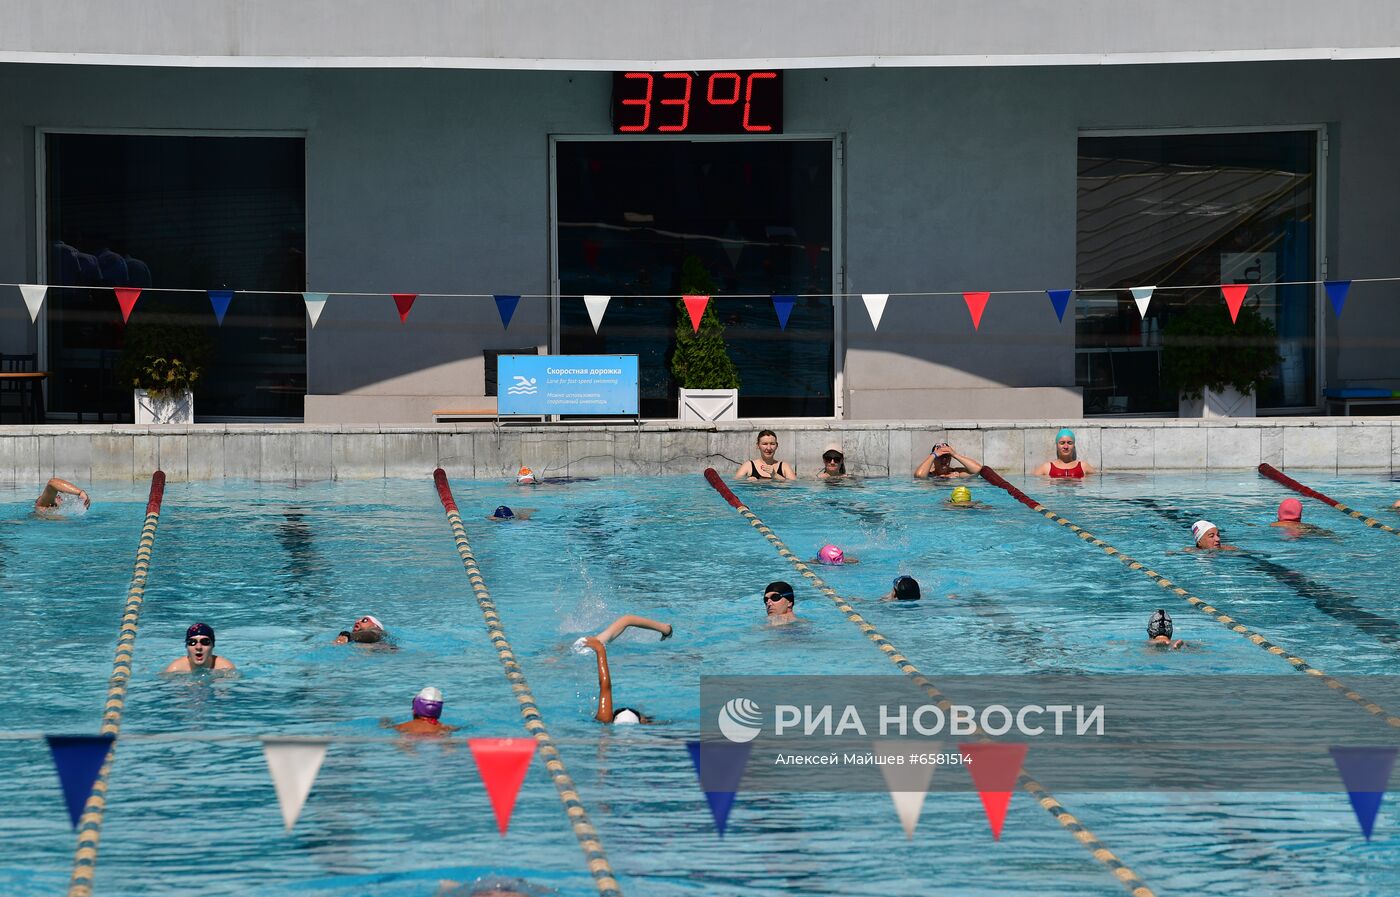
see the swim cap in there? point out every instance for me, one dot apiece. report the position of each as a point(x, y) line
point(1063, 433)
point(626, 717)
point(830, 554)
point(503, 513)
point(200, 629)
point(906, 588)
point(526, 476)
point(1290, 509)
point(782, 588)
point(373, 620)
point(428, 702)
point(1160, 624)
point(961, 495)
point(1200, 528)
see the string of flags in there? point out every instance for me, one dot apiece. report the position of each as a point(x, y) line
point(695, 304)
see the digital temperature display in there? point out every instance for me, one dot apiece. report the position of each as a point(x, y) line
point(697, 103)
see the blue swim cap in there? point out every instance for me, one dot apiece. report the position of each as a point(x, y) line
point(503, 513)
point(1063, 433)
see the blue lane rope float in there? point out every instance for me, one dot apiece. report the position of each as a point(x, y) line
point(90, 823)
point(1278, 476)
point(587, 835)
point(1197, 602)
point(1120, 870)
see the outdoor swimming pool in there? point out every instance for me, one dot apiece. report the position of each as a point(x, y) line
point(278, 570)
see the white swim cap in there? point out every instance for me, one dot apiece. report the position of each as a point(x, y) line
point(1200, 528)
point(626, 717)
point(431, 694)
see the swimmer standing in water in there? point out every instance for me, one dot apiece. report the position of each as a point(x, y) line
point(779, 603)
point(427, 715)
point(1066, 464)
point(622, 716)
point(1207, 536)
point(1290, 520)
point(939, 464)
point(1159, 631)
point(51, 499)
point(766, 466)
point(199, 652)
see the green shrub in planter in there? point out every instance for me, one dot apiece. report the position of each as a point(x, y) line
point(699, 360)
point(1201, 348)
point(165, 360)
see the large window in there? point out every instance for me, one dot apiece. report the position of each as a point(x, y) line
point(756, 214)
point(171, 213)
point(1192, 210)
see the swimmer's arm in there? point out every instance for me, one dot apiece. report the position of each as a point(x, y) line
point(1042, 471)
point(618, 626)
point(971, 466)
point(921, 473)
point(787, 471)
point(57, 485)
point(605, 708)
point(223, 663)
point(1088, 468)
point(747, 466)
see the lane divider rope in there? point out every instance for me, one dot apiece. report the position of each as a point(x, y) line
point(1200, 604)
point(587, 835)
point(90, 823)
point(1120, 870)
point(1284, 479)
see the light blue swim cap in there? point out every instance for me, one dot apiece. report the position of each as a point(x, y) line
point(1063, 433)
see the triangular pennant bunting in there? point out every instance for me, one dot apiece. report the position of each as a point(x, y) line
point(505, 306)
point(403, 302)
point(1142, 296)
point(33, 294)
point(1365, 772)
point(995, 769)
point(293, 763)
point(126, 298)
point(503, 763)
point(783, 306)
point(875, 306)
point(220, 299)
point(315, 304)
point(1336, 292)
point(78, 759)
point(976, 304)
point(597, 306)
point(908, 781)
point(1060, 300)
point(695, 307)
point(1234, 298)
point(720, 768)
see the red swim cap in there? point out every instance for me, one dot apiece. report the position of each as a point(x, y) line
point(1290, 509)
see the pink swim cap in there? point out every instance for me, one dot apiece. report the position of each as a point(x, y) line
point(830, 554)
point(1290, 509)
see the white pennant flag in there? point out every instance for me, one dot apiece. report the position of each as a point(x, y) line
point(1142, 296)
point(315, 302)
point(293, 763)
point(908, 781)
point(875, 306)
point(597, 305)
point(33, 298)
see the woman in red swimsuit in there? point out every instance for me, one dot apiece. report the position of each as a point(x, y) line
point(1066, 463)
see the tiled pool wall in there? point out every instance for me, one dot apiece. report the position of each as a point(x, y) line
point(304, 453)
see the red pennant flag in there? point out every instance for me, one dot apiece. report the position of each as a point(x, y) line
point(976, 304)
point(696, 306)
point(1234, 298)
point(404, 301)
point(994, 769)
point(502, 763)
point(126, 298)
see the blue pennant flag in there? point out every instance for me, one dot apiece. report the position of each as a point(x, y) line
point(506, 306)
point(720, 768)
point(1364, 771)
point(220, 300)
point(78, 759)
point(1059, 299)
point(783, 306)
point(1337, 292)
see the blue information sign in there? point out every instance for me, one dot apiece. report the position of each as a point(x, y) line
point(566, 384)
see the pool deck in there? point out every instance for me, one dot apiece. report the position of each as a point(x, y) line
point(312, 452)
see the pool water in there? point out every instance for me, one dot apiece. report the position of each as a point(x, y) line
point(278, 570)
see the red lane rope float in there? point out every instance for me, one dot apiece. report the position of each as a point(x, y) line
point(1126, 876)
point(1284, 479)
point(1196, 601)
point(584, 831)
point(90, 823)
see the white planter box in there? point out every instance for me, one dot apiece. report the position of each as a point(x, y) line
point(709, 404)
point(173, 410)
point(1229, 403)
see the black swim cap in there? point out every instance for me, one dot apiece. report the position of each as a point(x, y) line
point(1160, 624)
point(906, 588)
point(503, 513)
point(783, 589)
point(200, 629)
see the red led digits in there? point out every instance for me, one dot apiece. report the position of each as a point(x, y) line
point(644, 102)
point(748, 99)
point(721, 101)
point(683, 102)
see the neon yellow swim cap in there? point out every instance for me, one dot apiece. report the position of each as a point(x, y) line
point(961, 495)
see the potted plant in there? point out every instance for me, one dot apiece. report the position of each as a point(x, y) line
point(1217, 366)
point(708, 379)
point(162, 363)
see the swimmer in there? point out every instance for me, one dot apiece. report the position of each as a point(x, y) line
point(199, 652)
point(1159, 631)
point(766, 466)
point(427, 713)
point(504, 514)
point(833, 556)
point(622, 716)
point(51, 499)
point(491, 886)
point(1066, 463)
point(366, 630)
point(939, 464)
point(903, 588)
point(1290, 519)
point(833, 465)
point(1207, 536)
point(1396, 506)
point(779, 603)
point(527, 477)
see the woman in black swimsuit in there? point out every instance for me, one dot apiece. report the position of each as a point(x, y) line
point(766, 466)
